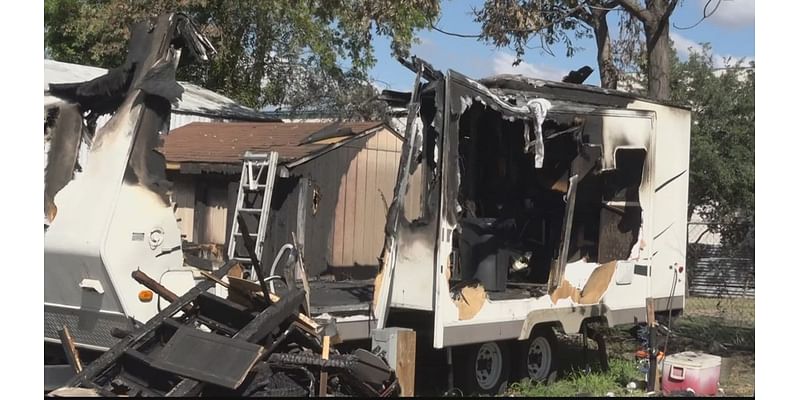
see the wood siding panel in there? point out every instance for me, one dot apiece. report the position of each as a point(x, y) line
point(373, 205)
point(360, 220)
point(183, 196)
point(349, 207)
point(337, 242)
point(358, 232)
point(215, 216)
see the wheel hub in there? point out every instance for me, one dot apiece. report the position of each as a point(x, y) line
point(488, 364)
point(539, 359)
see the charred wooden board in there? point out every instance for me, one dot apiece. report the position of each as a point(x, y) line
point(208, 357)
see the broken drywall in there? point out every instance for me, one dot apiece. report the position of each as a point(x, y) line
point(592, 291)
point(469, 300)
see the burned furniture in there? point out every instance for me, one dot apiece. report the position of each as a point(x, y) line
point(205, 345)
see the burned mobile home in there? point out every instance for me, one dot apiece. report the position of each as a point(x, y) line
point(545, 205)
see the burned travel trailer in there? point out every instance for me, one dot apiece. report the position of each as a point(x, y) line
point(545, 206)
point(541, 206)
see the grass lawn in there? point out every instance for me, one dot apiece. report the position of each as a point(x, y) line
point(578, 382)
point(725, 328)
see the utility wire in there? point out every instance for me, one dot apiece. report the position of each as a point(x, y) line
point(706, 15)
point(461, 35)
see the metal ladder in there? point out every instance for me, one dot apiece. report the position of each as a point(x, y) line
point(257, 181)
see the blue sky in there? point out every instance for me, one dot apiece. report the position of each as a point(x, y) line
point(731, 32)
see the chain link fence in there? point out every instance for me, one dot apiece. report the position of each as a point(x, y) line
point(720, 304)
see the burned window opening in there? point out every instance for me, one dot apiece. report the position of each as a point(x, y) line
point(621, 214)
point(511, 212)
point(512, 215)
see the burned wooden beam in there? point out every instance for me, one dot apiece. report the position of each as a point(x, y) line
point(250, 245)
point(70, 350)
point(269, 319)
point(151, 284)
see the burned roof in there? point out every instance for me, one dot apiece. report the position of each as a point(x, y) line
point(226, 143)
point(568, 95)
point(195, 100)
point(579, 93)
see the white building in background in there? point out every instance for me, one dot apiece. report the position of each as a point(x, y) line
point(196, 105)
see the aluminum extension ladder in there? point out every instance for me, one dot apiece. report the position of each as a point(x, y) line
point(253, 204)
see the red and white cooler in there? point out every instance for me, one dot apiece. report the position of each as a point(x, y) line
point(690, 370)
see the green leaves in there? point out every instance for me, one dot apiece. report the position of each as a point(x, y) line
point(266, 49)
point(721, 94)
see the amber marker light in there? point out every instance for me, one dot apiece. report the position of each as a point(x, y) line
point(145, 296)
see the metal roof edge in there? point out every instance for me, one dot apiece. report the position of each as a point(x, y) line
point(333, 146)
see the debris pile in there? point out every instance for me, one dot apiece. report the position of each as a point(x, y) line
point(247, 345)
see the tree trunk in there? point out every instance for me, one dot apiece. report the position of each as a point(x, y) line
point(658, 64)
point(608, 72)
point(655, 18)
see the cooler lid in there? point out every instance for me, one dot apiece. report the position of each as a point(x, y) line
point(692, 359)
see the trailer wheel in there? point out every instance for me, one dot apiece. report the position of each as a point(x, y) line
point(538, 355)
point(482, 368)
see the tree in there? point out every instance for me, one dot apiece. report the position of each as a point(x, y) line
point(655, 20)
point(722, 173)
point(517, 21)
point(264, 47)
point(553, 21)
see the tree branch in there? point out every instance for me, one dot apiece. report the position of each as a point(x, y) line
point(585, 16)
point(671, 7)
point(569, 13)
point(633, 7)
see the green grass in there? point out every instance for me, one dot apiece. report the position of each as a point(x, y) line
point(708, 332)
point(620, 373)
point(723, 327)
point(733, 311)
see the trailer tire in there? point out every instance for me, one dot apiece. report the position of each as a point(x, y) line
point(482, 368)
point(537, 357)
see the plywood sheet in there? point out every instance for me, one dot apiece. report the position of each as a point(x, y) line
point(598, 282)
point(469, 301)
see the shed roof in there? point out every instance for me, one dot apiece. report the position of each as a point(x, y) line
point(226, 143)
point(195, 99)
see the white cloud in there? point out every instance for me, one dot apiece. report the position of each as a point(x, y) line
point(731, 13)
point(684, 46)
point(503, 64)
